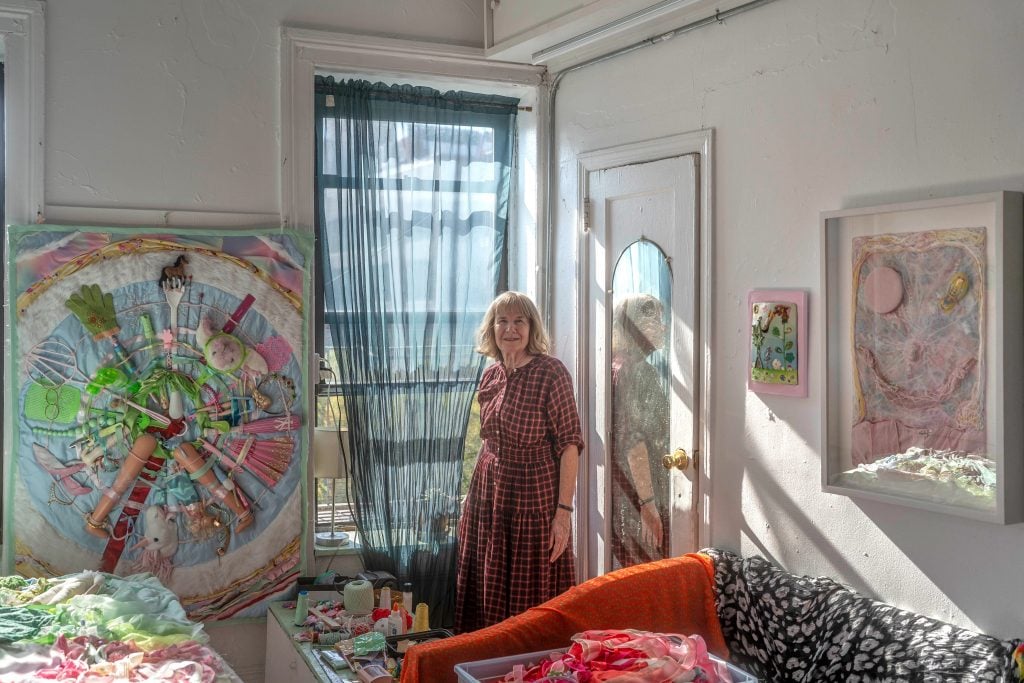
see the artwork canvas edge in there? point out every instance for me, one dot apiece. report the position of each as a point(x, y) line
point(302, 242)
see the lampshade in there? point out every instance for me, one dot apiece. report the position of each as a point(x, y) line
point(327, 461)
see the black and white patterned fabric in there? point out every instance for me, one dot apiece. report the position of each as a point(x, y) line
point(782, 627)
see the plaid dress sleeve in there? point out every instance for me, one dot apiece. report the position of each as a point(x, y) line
point(562, 416)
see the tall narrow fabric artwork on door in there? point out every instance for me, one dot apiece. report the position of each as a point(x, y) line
point(157, 412)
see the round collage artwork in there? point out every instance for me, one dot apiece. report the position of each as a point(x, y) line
point(159, 410)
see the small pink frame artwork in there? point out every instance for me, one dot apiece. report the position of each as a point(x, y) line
point(777, 362)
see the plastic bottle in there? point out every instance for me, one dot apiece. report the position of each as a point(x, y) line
point(385, 598)
point(301, 608)
point(397, 621)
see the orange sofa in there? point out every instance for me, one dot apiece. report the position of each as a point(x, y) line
point(676, 595)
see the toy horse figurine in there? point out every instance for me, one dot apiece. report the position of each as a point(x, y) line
point(177, 271)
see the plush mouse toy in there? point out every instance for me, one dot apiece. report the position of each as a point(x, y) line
point(159, 542)
point(226, 353)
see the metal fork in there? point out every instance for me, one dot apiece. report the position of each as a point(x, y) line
point(174, 290)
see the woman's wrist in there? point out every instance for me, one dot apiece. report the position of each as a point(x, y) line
point(645, 501)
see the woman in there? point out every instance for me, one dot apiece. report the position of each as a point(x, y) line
point(515, 535)
point(640, 427)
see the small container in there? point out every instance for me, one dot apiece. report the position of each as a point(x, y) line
point(397, 645)
point(493, 670)
point(397, 620)
point(301, 608)
point(385, 598)
point(372, 673)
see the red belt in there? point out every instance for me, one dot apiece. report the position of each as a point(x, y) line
point(115, 545)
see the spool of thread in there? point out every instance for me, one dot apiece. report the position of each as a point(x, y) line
point(332, 638)
point(385, 598)
point(358, 597)
point(407, 597)
point(421, 620)
point(302, 608)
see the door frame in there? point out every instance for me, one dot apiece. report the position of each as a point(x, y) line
point(701, 143)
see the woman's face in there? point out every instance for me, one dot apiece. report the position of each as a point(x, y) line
point(511, 331)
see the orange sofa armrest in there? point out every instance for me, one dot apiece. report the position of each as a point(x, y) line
point(676, 595)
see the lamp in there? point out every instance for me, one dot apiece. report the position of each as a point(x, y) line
point(328, 446)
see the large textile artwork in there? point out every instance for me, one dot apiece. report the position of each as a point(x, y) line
point(155, 409)
point(919, 359)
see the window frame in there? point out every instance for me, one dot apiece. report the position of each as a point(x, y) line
point(23, 35)
point(306, 53)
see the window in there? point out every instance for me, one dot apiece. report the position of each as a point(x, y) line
point(306, 52)
point(436, 182)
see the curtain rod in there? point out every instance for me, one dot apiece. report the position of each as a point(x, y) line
point(323, 87)
point(548, 256)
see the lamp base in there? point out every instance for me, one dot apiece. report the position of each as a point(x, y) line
point(331, 539)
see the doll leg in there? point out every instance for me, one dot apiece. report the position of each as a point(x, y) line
point(199, 469)
point(96, 521)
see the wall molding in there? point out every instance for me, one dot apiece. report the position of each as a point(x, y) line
point(62, 214)
point(23, 35)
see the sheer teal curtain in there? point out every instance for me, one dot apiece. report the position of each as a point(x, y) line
point(413, 190)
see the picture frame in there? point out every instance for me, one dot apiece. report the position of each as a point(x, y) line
point(777, 360)
point(924, 310)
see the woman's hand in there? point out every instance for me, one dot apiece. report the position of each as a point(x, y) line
point(561, 530)
point(650, 525)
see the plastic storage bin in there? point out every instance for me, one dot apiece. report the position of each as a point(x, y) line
point(493, 670)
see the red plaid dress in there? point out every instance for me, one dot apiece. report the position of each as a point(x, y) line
point(527, 418)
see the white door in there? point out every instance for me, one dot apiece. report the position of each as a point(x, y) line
point(642, 293)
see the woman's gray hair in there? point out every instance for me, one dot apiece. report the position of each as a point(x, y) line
point(628, 318)
point(512, 302)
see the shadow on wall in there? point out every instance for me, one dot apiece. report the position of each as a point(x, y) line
point(777, 498)
point(954, 553)
point(916, 192)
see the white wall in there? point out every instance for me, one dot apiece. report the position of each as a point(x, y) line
point(174, 105)
point(821, 105)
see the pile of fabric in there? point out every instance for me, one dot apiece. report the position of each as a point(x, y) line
point(92, 626)
point(636, 656)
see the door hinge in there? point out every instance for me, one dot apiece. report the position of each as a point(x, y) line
point(586, 215)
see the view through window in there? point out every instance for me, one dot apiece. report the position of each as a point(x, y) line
point(428, 165)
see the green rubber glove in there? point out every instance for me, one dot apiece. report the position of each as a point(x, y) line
point(95, 310)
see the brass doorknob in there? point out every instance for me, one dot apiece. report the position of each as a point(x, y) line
point(679, 460)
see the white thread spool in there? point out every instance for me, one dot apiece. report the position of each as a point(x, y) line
point(359, 597)
point(301, 608)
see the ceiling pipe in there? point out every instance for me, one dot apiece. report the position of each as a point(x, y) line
point(547, 257)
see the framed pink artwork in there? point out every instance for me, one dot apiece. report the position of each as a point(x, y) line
point(777, 363)
point(924, 314)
